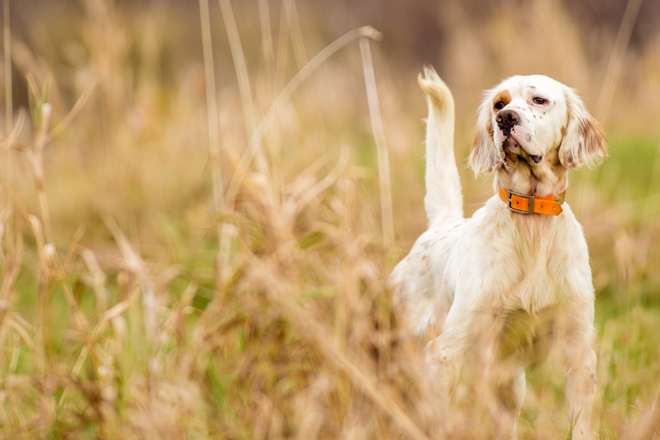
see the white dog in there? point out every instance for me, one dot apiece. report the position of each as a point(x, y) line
point(522, 254)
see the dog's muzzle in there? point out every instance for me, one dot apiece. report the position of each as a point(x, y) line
point(506, 120)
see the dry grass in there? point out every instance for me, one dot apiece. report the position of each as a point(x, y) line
point(187, 255)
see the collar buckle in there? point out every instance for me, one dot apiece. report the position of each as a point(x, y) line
point(530, 199)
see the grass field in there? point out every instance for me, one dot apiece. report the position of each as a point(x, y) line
point(201, 205)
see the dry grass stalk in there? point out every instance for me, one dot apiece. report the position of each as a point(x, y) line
point(616, 59)
point(244, 87)
point(211, 105)
point(77, 107)
point(224, 236)
point(8, 79)
point(282, 50)
point(38, 169)
point(137, 267)
point(266, 41)
point(612, 76)
point(297, 40)
point(387, 216)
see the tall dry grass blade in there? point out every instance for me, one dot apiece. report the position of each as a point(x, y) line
point(42, 134)
point(9, 141)
point(78, 316)
point(79, 364)
point(8, 79)
point(11, 264)
point(387, 217)
point(616, 59)
point(7, 155)
point(267, 42)
point(15, 353)
point(211, 104)
point(4, 321)
point(116, 310)
point(279, 292)
point(649, 210)
point(612, 75)
point(46, 110)
point(297, 41)
point(136, 266)
point(64, 123)
point(654, 182)
point(287, 92)
point(212, 114)
point(40, 349)
point(244, 87)
point(300, 54)
point(282, 50)
point(22, 327)
point(73, 245)
point(98, 280)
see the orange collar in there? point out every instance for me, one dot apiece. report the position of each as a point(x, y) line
point(524, 204)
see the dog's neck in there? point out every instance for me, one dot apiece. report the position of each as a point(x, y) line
point(521, 175)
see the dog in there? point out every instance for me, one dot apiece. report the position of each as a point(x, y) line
point(523, 254)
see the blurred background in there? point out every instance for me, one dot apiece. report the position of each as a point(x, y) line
point(123, 193)
point(147, 57)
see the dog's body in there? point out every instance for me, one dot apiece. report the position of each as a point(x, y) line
point(466, 278)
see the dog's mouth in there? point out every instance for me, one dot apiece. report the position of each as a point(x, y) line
point(513, 149)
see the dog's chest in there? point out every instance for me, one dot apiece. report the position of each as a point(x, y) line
point(534, 286)
point(516, 265)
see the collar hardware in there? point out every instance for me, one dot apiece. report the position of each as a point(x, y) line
point(530, 199)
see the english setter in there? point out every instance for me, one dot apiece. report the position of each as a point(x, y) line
point(523, 255)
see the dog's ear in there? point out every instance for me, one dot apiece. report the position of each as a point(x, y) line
point(484, 155)
point(583, 142)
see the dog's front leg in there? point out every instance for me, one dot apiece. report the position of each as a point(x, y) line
point(445, 353)
point(577, 327)
point(580, 387)
point(443, 356)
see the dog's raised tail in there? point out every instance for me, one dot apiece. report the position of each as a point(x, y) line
point(443, 187)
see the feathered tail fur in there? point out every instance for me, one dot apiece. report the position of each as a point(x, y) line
point(444, 199)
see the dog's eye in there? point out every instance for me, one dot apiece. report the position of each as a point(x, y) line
point(499, 106)
point(540, 101)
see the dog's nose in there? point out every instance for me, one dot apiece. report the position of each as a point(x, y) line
point(506, 119)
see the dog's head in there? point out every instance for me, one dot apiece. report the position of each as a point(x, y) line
point(531, 129)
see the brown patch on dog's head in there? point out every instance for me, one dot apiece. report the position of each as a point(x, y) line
point(504, 97)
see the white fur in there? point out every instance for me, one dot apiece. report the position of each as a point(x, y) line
point(463, 276)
